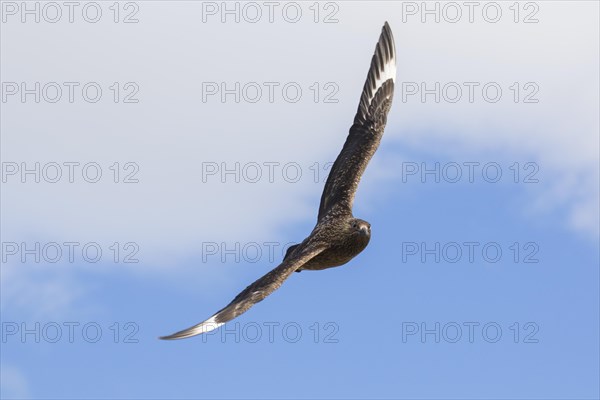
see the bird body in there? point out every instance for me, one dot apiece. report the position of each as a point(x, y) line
point(338, 236)
point(347, 237)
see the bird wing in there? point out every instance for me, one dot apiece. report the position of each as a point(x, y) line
point(367, 130)
point(254, 293)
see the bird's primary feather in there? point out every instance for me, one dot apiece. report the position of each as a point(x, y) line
point(253, 294)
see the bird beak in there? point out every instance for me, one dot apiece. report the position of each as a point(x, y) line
point(365, 230)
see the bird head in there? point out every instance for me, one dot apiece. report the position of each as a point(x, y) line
point(360, 227)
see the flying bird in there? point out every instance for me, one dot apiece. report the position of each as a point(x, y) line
point(338, 236)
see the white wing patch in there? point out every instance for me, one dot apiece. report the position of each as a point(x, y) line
point(388, 72)
point(204, 327)
point(207, 326)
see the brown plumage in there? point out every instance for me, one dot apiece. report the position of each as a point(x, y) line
point(338, 236)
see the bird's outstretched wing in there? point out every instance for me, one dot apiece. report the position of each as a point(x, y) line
point(254, 293)
point(367, 130)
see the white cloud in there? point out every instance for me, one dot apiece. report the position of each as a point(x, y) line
point(14, 383)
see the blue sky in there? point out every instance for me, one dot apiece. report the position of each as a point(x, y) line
point(410, 317)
